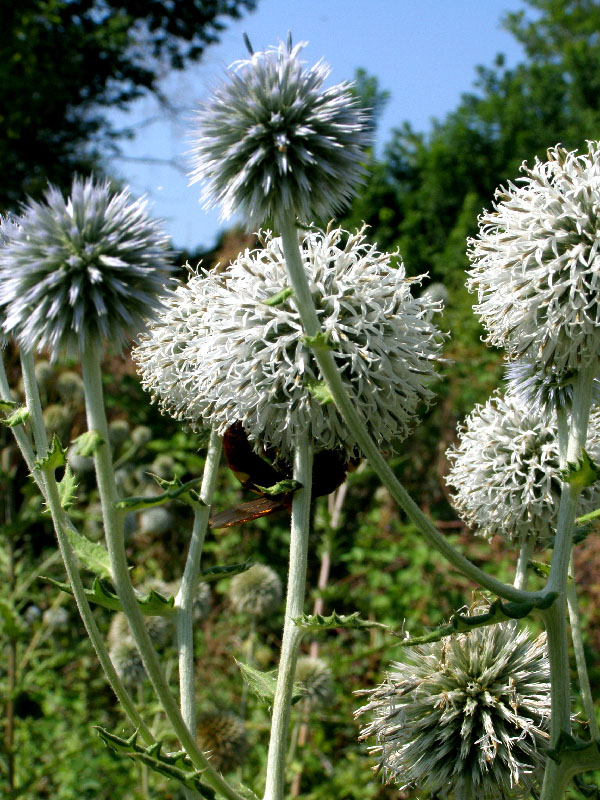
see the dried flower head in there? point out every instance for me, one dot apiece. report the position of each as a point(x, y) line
point(536, 264)
point(257, 591)
point(222, 736)
point(222, 352)
point(94, 266)
point(272, 140)
point(506, 473)
point(465, 716)
point(314, 676)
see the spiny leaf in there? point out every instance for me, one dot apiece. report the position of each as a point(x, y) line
point(279, 298)
point(285, 486)
point(8, 405)
point(568, 745)
point(171, 765)
point(16, 417)
point(184, 492)
point(319, 341)
point(91, 555)
point(54, 458)
point(88, 443)
point(224, 571)
point(102, 594)
point(67, 489)
point(263, 683)
point(320, 391)
point(315, 622)
point(582, 473)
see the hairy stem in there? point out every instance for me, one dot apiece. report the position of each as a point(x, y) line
point(292, 636)
point(113, 527)
point(184, 601)
point(344, 404)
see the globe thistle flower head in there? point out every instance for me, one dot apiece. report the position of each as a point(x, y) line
point(536, 262)
point(222, 736)
point(314, 676)
point(127, 662)
point(465, 716)
point(69, 386)
point(223, 353)
point(92, 267)
point(272, 139)
point(257, 591)
point(506, 471)
point(544, 390)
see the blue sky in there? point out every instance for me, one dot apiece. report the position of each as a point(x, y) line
point(424, 52)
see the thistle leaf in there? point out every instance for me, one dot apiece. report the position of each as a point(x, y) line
point(11, 624)
point(16, 417)
point(320, 391)
point(102, 594)
point(263, 683)
point(224, 571)
point(319, 341)
point(285, 486)
point(67, 489)
point(582, 473)
point(184, 492)
point(8, 405)
point(54, 458)
point(92, 555)
point(279, 298)
point(171, 765)
point(88, 443)
point(316, 622)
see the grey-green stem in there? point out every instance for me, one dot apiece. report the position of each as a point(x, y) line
point(113, 527)
point(329, 371)
point(292, 635)
point(184, 601)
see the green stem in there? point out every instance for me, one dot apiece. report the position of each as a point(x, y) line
point(330, 372)
point(60, 520)
point(113, 527)
point(577, 639)
point(292, 635)
point(184, 601)
point(525, 554)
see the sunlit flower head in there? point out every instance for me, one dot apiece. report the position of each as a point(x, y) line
point(465, 716)
point(92, 267)
point(222, 353)
point(543, 390)
point(536, 263)
point(271, 139)
point(223, 738)
point(315, 678)
point(505, 470)
point(257, 591)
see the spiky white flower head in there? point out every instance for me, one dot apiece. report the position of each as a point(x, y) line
point(271, 140)
point(506, 472)
point(222, 353)
point(536, 263)
point(92, 267)
point(314, 676)
point(465, 716)
point(257, 591)
point(543, 390)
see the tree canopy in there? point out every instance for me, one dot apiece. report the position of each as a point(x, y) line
point(64, 62)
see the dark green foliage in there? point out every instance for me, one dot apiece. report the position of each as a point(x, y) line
point(63, 62)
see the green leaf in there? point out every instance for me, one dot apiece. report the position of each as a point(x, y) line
point(279, 298)
point(16, 417)
point(285, 486)
point(317, 622)
point(67, 489)
point(184, 492)
point(320, 341)
point(171, 765)
point(8, 405)
point(582, 473)
point(263, 683)
point(224, 571)
point(88, 443)
point(102, 594)
point(319, 390)
point(11, 623)
point(91, 555)
point(54, 458)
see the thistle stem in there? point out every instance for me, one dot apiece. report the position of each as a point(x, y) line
point(113, 526)
point(292, 635)
point(184, 601)
point(329, 371)
point(47, 483)
point(525, 554)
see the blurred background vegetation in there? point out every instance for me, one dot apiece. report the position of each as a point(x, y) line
point(63, 63)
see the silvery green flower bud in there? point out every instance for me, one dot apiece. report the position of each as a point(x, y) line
point(222, 353)
point(464, 717)
point(163, 466)
point(93, 267)
point(141, 435)
point(222, 737)
point(505, 470)
point(157, 520)
point(118, 431)
point(314, 676)
point(536, 262)
point(44, 374)
point(127, 662)
point(272, 140)
point(257, 591)
point(70, 388)
point(57, 419)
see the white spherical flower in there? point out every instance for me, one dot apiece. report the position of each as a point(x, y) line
point(271, 140)
point(222, 353)
point(94, 266)
point(505, 470)
point(465, 716)
point(536, 262)
point(544, 390)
